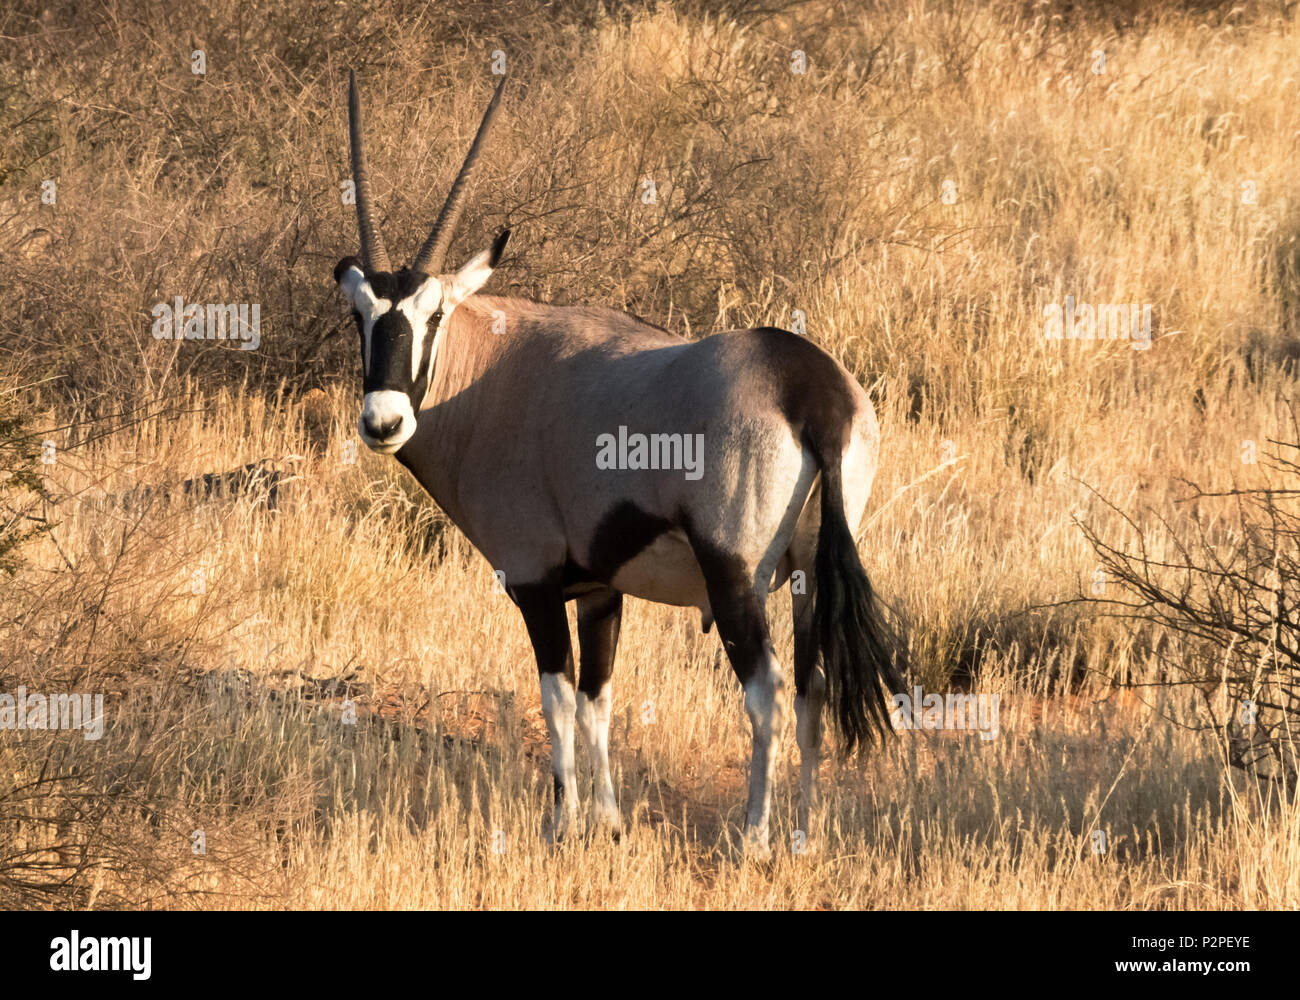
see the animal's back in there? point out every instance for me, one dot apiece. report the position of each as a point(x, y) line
point(623, 359)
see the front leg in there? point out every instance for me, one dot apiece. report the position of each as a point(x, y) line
point(599, 617)
point(542, 605)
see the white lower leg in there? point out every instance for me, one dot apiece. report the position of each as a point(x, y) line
point(808, 733)
point(593, 719)
point(559, 707)
point(765, 706)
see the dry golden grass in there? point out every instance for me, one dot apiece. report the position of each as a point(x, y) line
point(776, 192)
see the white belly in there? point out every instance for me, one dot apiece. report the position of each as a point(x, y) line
point(666, 572)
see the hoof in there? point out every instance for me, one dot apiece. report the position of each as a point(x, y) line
point(608, 824)
point(561, 828)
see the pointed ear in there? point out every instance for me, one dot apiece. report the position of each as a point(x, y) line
point(474, 275)
point(348, 275)
point(499, 247)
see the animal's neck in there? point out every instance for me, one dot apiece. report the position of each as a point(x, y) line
point(468, 349)
point(459, 400)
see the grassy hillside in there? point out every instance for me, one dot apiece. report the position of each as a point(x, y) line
point(937, 179)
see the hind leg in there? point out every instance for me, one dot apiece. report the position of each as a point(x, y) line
point(809, 699)
point(738, 607)
point(809, 677)
point(599, 617)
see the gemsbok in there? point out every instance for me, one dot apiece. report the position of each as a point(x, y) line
point(513, 433)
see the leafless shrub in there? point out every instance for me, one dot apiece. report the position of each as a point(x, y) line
point(1221, 584)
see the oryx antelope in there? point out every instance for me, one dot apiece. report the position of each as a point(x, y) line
point(503, 432)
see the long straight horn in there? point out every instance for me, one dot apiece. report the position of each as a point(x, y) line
point(434, 251)
point(373, 254)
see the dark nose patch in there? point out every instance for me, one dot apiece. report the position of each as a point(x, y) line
point(392, 339)
point(391, 343)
